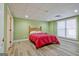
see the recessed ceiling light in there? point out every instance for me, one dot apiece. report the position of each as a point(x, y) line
point(76, 11)
point(26, 16)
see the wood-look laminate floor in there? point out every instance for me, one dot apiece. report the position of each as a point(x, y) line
point(26, 48)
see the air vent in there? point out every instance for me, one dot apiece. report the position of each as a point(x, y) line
point(58, 16)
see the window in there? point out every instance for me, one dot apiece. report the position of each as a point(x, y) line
point(67, 28)
point(71, 28)
point(61, 28)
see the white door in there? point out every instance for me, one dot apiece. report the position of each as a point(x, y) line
point(9, 29)
point(1, 28)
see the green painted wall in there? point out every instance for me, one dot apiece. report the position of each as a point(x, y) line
point(21, 27)
point(52, 27)
point(5, 27)
point(78, 27)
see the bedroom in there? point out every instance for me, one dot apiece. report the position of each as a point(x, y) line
point(58, 19)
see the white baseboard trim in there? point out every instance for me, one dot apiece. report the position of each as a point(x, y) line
point(19, 40)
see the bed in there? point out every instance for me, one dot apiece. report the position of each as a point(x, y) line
point(40, 38)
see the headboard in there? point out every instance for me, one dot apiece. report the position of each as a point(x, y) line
point(35, 29)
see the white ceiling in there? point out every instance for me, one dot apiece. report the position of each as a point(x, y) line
point(43, 11)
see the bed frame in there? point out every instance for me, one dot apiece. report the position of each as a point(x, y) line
point(34, 29)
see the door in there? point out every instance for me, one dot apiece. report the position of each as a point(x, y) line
point(1, 28)
point(9, 29)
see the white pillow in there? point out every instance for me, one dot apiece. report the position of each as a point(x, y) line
point(32, 32)
point(39, 32)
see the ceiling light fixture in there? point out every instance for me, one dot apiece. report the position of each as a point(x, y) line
point(26, 16)
point(76, 11)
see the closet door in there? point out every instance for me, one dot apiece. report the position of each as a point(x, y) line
point(9, 30)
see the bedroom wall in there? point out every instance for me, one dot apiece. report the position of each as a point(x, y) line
point(5, 27)
point(78, 27)
point(1, 27)
point(21, 27)
point(52, 27)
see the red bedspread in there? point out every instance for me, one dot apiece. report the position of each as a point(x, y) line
point(41, 39)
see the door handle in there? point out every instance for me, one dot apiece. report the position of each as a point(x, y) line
point(10, 42)
point(3, 40)
point(10, 29)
